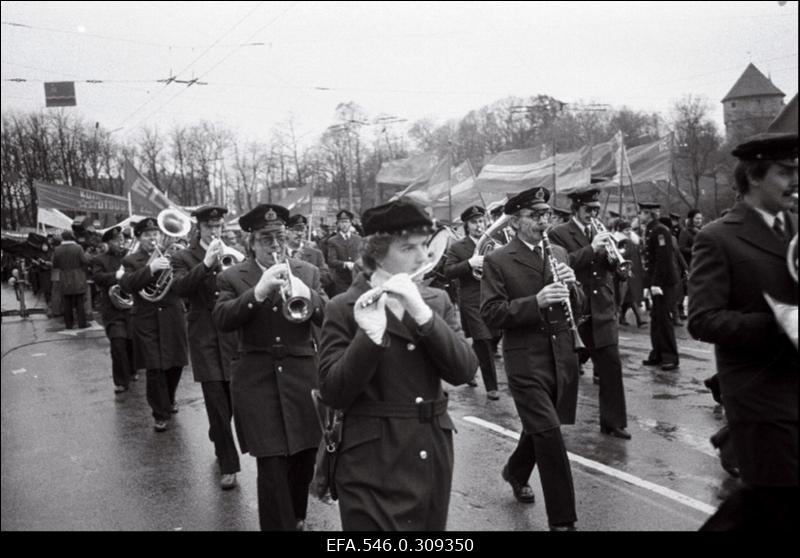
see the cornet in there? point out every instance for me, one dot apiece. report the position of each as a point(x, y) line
point(296, 309)
point(624, 267)
point(228, 256)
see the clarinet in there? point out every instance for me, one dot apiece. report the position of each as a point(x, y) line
point(573, 326)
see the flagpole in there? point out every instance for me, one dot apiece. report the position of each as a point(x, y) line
point(130, 205)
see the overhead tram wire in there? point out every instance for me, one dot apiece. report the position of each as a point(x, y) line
point(257, 31)
point(152, 98)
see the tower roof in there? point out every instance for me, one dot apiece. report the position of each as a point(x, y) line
point(752, 83)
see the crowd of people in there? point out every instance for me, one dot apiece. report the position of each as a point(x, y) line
point(267, 321)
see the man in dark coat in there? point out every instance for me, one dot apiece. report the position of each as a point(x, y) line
point(271, 382)
point(662, 280)
point(212, 352)
point(588, 256)
point(106, 271)
point(159, 327)
point(737, 262)
point(383, 363)
point(301, 249)
point(71, 261)
point(519, 296)
point(343, 251)
point(460, 264)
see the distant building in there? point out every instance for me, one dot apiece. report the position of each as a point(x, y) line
point(750, 105)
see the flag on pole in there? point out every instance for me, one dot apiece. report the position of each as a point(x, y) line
point(403, 172)
point(433, 186)
point(652, 161)
point(145, 198)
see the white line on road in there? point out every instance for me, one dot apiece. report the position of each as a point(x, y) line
point(19, 371)
point(38, 354)
point(688, 349)
point(621, 475)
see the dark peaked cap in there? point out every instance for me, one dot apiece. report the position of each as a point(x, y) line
point(534, 198)
point(146, 224)
point(767, 147)
point(111, 234)
point(395, 216)
point(471, 212)
point(589, 198)
point(264, 215)
point(209, 212)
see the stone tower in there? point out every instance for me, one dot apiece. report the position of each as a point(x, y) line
point(750, 105)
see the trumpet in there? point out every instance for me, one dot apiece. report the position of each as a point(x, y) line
point(230, 257)
point(296, 309)
point(573, 325)
point(624, 267)
point(174, 225)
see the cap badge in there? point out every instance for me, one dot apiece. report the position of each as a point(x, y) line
point(270, 215)
point(539, 194)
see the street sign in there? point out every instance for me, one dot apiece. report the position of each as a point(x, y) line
point(59, 94)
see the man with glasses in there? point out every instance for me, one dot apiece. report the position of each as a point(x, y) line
point(460, 263)
point(271, 382)
point(518, 295)
point(212, 352)
point(588, 256)
point(343, 251)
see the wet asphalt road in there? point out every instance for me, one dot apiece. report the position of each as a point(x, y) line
point(77, 457)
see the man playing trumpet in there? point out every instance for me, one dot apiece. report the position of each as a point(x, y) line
point(159, 329)
point(212, 352)
point(271, 382)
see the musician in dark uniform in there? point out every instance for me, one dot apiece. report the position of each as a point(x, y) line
point(158, 328)
point(736, 261)
point(300, 248)
point(519, 296)
point(212, 352)
point(662, 281)
point(106, 271)
point(271, 382)
point(588, 256)
point(383, 364)
point(460, 264)
point(343, 251)
point(561, 216)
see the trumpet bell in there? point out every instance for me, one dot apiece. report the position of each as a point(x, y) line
point(230, 257)
point(174, 223)
point(297, 309)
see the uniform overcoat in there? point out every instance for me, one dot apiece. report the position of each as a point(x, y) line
point(271, 382)
point(71, 261)
point(394, 469)
point(341, 250)
point(104, 273)
point(211, 351)
point(456, 266)
point(159, 328)
point(735, 260)
point(541, 364)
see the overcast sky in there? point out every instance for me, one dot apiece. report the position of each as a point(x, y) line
point(405, 59)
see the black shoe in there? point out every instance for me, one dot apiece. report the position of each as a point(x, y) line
point(669, 366)
point(160, 426)
point(596, 380)
point(623, 321)
point(174, 408)
point(651, 362)
point(616, 432)
point(567, 527)
point(472, 383)
point(120, 389)
point(493, 395)
point(522, 492)
point(713, 384)
point(643, 323)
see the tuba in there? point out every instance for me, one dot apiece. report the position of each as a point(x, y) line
point(493, 237)
point(174, 224)
point(786, 314)
point(296, 309)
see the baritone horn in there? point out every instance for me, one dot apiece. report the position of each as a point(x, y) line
point(175, 225)
point(296, 309)
point(119, 298)
point(489, 241)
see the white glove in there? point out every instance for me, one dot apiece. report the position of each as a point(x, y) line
point(371, 319)
point(272, 278)
point(349, 265)
point(120, 272)
point(159, 264)
point(476, 261)
point(212, 253)
point(656, 291)
point(599, 242)
point(404, 289)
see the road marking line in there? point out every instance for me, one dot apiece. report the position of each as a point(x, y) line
point(621, 475)
point(38, 354)
point(19, 371)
